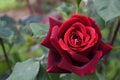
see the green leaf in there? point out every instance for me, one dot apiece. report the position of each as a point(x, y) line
point(99, 21)
point(86, 77)
point(76, 77)
point(25, 70)
point(9, 20)
point(43, 75)
point(54, 76)
point(18, 39)
point(39, 30)
point(7, 27)
point(107, 9)
point(5, 32)
point(100, 77)
point(3, 65)
point(66, 10)
point(66, 77)
point(112, 69)
point(25, 30)
point(92, 12)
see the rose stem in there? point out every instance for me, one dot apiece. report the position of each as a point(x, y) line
point(110, 33)
point(5, 54)
point(115, 33)
point(113, 38)
point(77, 6)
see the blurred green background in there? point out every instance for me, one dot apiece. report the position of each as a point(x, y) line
point(22, 41)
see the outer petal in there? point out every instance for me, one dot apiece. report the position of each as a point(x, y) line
point(86, 69)
point(96, 27)
point(54, 41)
point(106, 48)
point(83, 19)
point(46, 42)
point(66, 25)
point(53, 60)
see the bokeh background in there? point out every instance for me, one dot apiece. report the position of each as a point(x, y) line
point(19, 42)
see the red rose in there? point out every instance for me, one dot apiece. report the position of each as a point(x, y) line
point(75, 45)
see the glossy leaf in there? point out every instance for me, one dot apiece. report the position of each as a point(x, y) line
point(107, 9)
point(39, 30)
point(30, 19)
point(100, 77)
point(86, 77)
point(43, 75)
point(92, 12)
point(112, 69)
point(6, 33)
point(18, 39)
point(7, 27)
point(25, 70)
point(3, 66)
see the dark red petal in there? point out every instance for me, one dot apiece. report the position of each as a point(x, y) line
point(88, 43)
point(84, 19)
point(54, 41)
point(74, 55)
point(106, 48)
point(91, 31)
point(86, 69)
point(53, 60)
point(67, 34)
point(81, 27)
point(54, 22)
point(93, 34)
point(96, 27)
point(67, 24)
point(46, 42)
point(89, 22)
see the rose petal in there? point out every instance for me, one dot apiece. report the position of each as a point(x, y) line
point(93, 36)
point(96, 27)
point(106, 48)
point(53, 60)
point(86, 69)
point(91, 31)
point(80, 27)
point(84, 19)
point(54, 41)
point(67, 24)
point(74, 55)
point(88, 43)
point(46, 42)
point(67, 34)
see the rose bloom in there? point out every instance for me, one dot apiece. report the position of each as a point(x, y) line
point(75, 45)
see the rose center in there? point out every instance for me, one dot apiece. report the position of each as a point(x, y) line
point(75, 39)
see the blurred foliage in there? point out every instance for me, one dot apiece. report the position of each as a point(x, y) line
point(107, 9)
point(10, 4)
point(21, 39)
point(26, 70)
